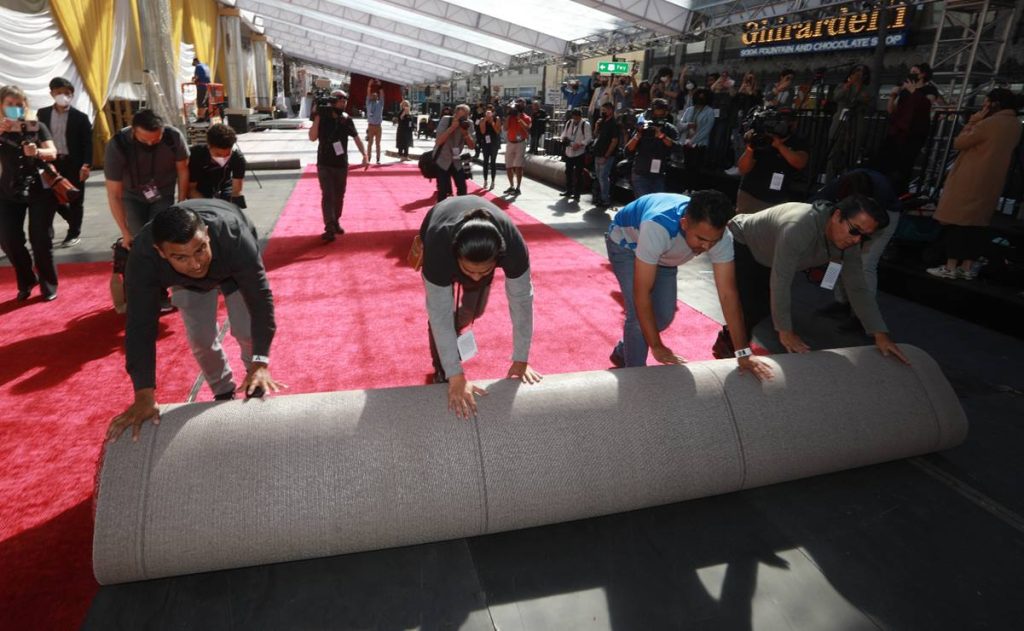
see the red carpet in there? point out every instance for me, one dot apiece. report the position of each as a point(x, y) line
point(61, 380)
point(350, 314)
point(357, 318)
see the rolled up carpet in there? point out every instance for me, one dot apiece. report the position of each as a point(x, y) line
point(233, 484)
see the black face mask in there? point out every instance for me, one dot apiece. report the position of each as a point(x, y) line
point(914, 77)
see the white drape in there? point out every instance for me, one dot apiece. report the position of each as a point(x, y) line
point(125, 65)
point(32, 52)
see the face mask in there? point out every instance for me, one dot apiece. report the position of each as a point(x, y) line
point(689, 85)
point(62, 100)
point(221, 161)
point(14, 112)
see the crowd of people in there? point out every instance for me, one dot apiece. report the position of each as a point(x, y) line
point(180, 211)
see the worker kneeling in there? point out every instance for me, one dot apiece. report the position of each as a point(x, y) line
point(199, 248)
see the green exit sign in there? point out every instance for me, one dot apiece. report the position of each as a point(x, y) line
point(613, 67)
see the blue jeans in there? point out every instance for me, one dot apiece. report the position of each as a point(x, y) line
point(604, 174)
point(644, 183)
point(632, 348)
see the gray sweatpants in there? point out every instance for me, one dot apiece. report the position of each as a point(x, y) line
point(199, 312)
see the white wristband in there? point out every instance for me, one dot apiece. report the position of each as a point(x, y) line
point(262, 359)
point(744, 352)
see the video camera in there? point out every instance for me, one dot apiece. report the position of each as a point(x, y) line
point(650, 125)
point(765, 122)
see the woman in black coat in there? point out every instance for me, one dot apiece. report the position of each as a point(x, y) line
point(406, 129)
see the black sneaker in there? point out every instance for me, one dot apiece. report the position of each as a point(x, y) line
point(327, 236)
point(617, 360)
point(70, 241)
point(516, 191)
point(565, 194)
point(509, 190)
point(338, 230)
point(224, 396)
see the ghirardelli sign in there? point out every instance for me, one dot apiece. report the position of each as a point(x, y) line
point(844, 24)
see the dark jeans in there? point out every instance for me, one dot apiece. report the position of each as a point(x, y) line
point(897, 160)
point(535, 138)
point(333, 181)
point(490, 153)
point(444, 182)
point(73, 212)
point(753, 282)
point(964, 243)
point(471, 307)
point(40, 209)
point(573, 175)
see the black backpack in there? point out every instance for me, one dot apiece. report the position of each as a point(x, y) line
point(427, 165)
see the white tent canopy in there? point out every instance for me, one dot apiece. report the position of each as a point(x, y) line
point(414, 41)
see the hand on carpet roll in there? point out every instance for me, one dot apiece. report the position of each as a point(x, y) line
point(665, 355)
point(889, 348)
point(143, 409)
point(523, 372)
point(259, 378)
point(793, 343)
point(757, 367)
point(462, 396)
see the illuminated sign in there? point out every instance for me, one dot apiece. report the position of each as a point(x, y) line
point(613, 67)
point(845, 31)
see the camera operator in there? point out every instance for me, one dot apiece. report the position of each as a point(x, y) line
point(517, 129)
point(538, 126)
point(652, 142)
point(217, 169)
point(142, 164)
point(773, 158)
point(22, 144)
point(332, 127)
point(72, 135)
point(453, 134)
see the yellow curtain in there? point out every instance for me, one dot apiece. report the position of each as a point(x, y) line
point(88, 29)
point(201, 30)
point(270, 74)
point(177, 9)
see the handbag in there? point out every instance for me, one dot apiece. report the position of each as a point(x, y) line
point(427, 165)
point(62, 188)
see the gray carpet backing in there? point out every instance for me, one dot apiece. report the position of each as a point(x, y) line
point(234, 484)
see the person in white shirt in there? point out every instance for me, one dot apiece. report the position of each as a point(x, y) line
point(576, 136)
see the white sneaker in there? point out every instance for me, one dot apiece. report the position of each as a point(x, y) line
point(942, 272)
point(963, 274)
point(732, 171)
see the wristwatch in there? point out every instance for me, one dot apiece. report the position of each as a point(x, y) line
point(744, 352)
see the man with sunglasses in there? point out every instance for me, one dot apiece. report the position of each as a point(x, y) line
point(332, 127)
point(774, 244)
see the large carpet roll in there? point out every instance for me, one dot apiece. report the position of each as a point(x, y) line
point(233, 484)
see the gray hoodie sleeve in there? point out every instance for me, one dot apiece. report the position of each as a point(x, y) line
point(441, 312)
point(520, 309)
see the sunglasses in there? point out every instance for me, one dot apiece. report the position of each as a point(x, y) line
point(857, 232)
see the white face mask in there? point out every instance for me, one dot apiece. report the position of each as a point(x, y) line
point(221, 161)
point(62, 100)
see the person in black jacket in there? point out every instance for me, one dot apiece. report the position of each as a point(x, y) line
point(22, 144)
point(72, 134)
point(201, 248)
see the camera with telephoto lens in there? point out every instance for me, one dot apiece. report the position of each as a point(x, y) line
point(26, 175)
point(766, 122)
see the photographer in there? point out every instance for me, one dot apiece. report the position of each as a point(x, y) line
point(517, 130)
point(453, 134)
point(489, 141)
point(652, 142)
point(622, 93)
point(217, 169)
point(22, 144)
point(910, 110)
point(783, 94)
point(853, 100)
point(772, 159)
point(332, 127)
point(576, 136)
point(574, 96)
